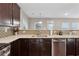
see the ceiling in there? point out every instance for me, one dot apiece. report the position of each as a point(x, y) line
point(51, 10)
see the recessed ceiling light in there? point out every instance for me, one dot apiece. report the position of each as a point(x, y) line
point(66, 14)
point(40, 22)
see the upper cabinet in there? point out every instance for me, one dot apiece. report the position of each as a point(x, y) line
point(5, 14)
point(16, 14)
point(9, 14)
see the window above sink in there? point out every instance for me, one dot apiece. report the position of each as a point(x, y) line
point(75, 25)
point(65, 25)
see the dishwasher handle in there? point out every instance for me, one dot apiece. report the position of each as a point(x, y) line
point(59, 40)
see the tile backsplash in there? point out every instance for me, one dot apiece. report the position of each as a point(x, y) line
point(47, 32)
point(5, 31)
point(35, 32)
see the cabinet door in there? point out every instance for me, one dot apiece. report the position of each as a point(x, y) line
point(24, 47)
point(30, 47)
point(5, 13)
point(34, 46)
point(45, 47)
point(15, 48)
point(77, 47)
point(40, 47)
point(16, 14)
point(70, 47)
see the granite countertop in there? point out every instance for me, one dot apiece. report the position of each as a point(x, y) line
point(10, 39)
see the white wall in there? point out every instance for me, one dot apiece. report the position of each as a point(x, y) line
point(23, 20)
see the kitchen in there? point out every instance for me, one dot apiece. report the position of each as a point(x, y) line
point(39, 29)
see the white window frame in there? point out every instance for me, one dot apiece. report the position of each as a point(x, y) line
point(66, 24)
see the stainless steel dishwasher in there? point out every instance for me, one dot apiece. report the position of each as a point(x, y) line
point(59, 47)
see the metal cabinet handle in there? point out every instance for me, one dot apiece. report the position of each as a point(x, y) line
point(57, 40)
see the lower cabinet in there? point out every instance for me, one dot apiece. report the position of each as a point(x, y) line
point(45, 47)
point(24, 47)
point(15, 48)
point(31, 47)
point(77, 47)
point(70, 47)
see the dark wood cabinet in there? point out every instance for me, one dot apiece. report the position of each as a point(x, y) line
point(40, 47)
point(19, 47)
point(70, 47)
point(46, 47)
point(43, 47)
point(9, 14)
point(77, 47)
point(5, 13)
point(31, 47)
point(15, 48)
point(24, 47)
point(16, 14)
point(34, 47)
